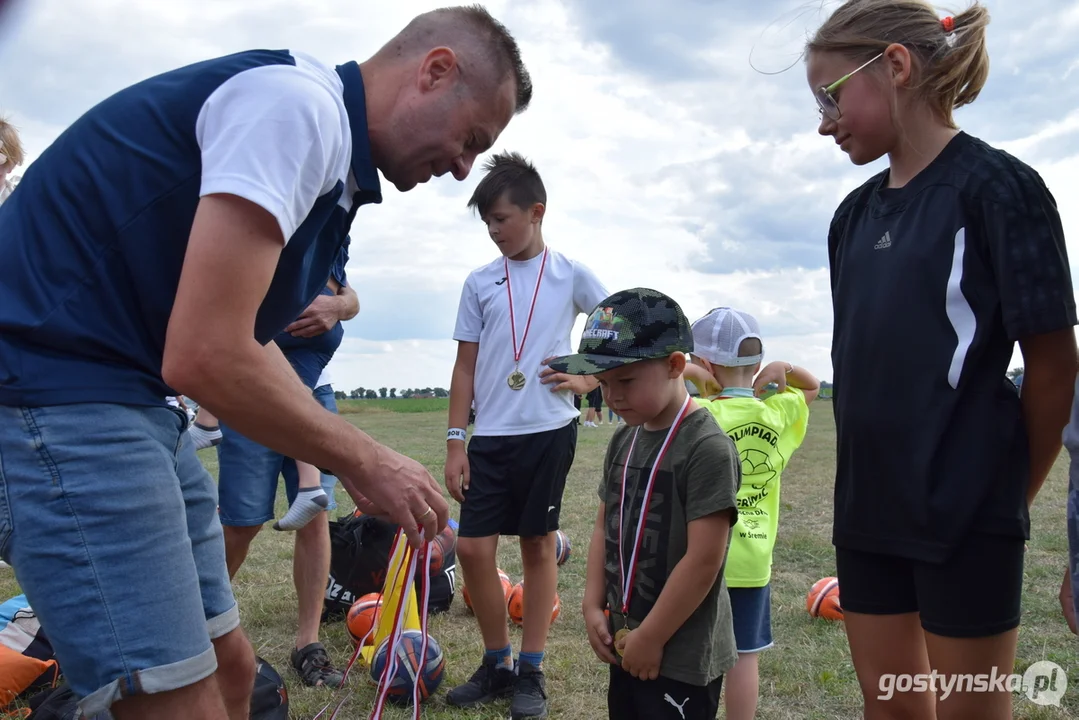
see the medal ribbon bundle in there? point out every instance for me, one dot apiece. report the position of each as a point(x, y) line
point(407, 563)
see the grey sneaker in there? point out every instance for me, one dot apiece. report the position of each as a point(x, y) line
point(314, 667)
point(530, 695)
point(490, 682)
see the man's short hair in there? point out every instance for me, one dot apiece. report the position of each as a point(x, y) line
point(489, 50)
point(509, 174)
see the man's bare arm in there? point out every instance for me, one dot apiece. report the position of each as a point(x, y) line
point(231, 258)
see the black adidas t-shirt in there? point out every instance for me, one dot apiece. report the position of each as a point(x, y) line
point(932, 285)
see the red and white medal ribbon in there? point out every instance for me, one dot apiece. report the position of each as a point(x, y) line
point(513, 320)
point(627, 577)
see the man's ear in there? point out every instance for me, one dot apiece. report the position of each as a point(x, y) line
point(438, 69)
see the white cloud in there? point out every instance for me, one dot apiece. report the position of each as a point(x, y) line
point(675, 167)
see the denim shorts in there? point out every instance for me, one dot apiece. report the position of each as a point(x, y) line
point(751, 611)
point(110, 522)
point(248, 474)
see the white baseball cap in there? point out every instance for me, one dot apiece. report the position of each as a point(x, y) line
point(718, 335)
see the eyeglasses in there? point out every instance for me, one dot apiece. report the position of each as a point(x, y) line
point(826, 103)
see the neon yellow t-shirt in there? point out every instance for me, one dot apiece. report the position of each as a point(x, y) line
point(766, 433)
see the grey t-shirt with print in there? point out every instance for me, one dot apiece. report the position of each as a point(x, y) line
point(700, 475)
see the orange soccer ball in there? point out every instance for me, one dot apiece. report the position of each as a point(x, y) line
point(823, 599)
point(515, 604)
point(362, 618)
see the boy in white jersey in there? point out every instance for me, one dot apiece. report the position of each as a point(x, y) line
point(727, 353)
point(515, 312)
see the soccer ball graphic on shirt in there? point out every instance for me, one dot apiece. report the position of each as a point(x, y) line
point(757, 465)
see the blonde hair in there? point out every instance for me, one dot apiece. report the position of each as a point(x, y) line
point(951, 65)
point(10, 146)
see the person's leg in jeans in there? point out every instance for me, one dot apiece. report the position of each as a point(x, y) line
point(112, 532)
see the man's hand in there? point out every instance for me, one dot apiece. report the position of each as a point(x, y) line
point(641, 655)
point(579, 384)
point(1067, 601)
point(457, 470)
point(599, 635)
point(319, 317)
point(401, 490)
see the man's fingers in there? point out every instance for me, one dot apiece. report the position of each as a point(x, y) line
point(441, 510)
point(412, 533)
point(429, 523)
point(301, 324)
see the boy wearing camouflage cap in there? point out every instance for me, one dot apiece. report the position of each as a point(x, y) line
point(670, 481)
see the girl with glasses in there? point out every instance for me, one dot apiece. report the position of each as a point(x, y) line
point(939, 265)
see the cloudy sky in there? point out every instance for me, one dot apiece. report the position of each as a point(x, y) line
point(676, 155)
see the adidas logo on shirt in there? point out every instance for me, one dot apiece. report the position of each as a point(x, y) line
point(885, 242)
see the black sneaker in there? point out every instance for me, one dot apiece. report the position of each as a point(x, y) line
point(314, 667)
point(491, 682)
point(530, 694)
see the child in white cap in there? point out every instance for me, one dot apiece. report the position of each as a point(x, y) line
point(726, 368)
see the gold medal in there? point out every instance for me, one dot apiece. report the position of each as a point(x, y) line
point(620, 640)
point(516, 380)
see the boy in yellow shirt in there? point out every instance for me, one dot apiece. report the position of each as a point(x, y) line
point(727, 371)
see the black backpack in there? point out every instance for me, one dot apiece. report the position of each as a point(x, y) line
point(359, 557)
point(269, 699)
point(58, 703)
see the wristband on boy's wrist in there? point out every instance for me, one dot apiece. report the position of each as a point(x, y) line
point(455, 434)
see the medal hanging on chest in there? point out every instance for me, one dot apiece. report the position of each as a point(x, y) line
point(627, 574)
point(516, 380)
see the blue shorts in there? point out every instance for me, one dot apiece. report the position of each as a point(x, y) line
point(110, 522)
point(751, 610)
point(248, 474)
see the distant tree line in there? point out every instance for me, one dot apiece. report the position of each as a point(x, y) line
point(361, 393)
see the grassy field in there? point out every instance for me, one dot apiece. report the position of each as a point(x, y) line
point(808, 675)
point(397, 405)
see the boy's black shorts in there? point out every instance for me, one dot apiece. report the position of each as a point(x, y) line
point(975, 593)
point(595, 399)
point(631, 699)
point(516, 482)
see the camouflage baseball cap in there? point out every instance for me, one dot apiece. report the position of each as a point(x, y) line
point(631, 325)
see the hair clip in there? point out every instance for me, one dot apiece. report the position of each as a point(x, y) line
point(948, 23)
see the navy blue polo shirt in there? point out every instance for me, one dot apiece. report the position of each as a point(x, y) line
point(92, 241)
point(933, 284)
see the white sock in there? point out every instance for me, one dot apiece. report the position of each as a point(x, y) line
point(308, 504)
point(203, 436)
